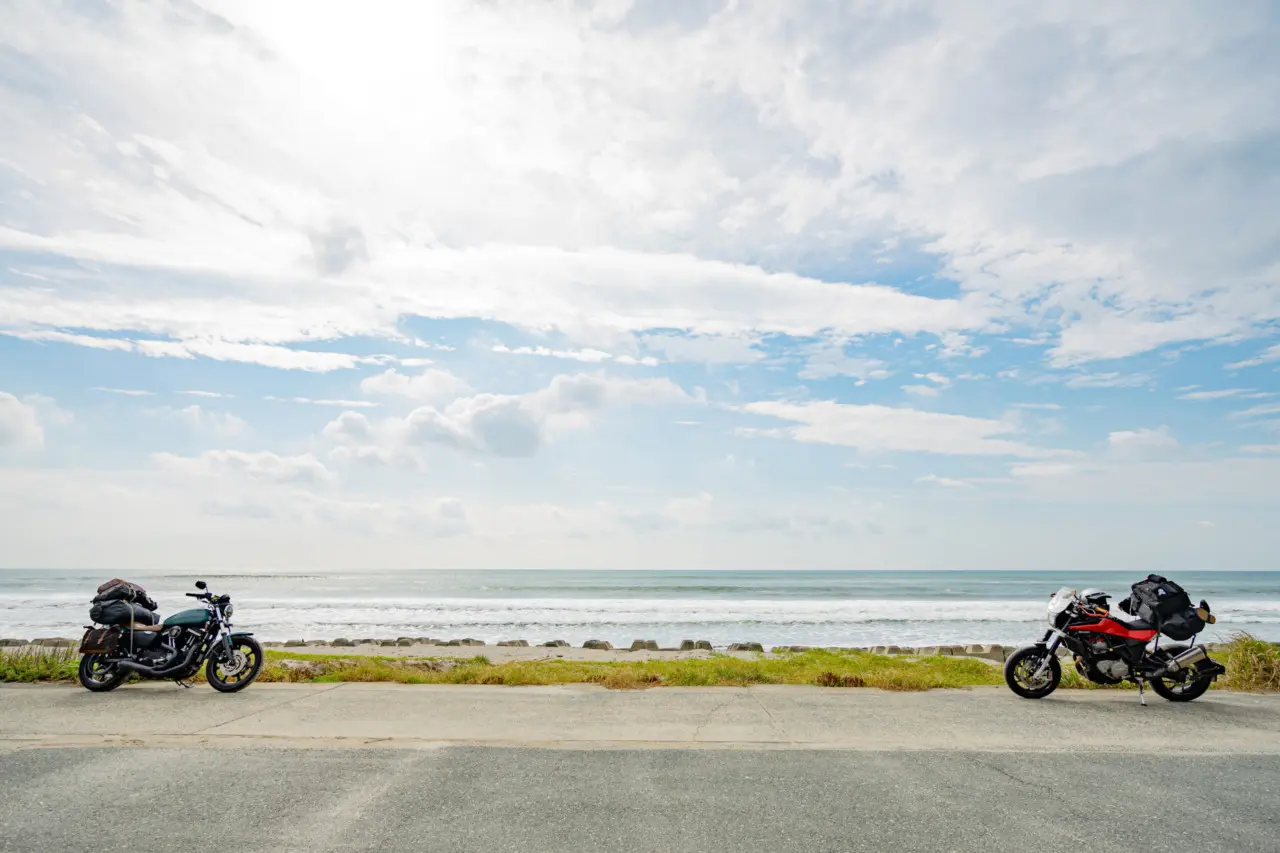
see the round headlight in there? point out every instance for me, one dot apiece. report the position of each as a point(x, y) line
point(229, 609)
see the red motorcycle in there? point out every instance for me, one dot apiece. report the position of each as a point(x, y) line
point(1111, 645)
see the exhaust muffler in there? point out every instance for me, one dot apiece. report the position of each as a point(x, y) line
point(1186, 660)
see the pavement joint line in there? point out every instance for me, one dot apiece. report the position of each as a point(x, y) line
point(272, 707)
point(28, 742)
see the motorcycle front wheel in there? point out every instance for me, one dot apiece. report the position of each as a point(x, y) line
point(1020, 669)
point(98, 675)
point(227, 675)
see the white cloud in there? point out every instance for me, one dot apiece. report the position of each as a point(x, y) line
point(217, 423)
point(1049, 407)
point(1257, 411)
point(19, 425)
point(922, 390)
point(126, 392)
point(513, 425)
point(1270, 354)
point(344, 404)
point(828, 359)
point(875, 428)
point(1142, 442)
point(262, 466)
point(1261, 448)
point(1214, 395)
point(707, 349)
point(430, 384)
point(1107, 380)
point(955, 345)
point(587, 355)
point(214, 395)
point(945, 482)
point(1042, 469)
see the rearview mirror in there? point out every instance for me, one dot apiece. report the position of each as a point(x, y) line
point(201, 585)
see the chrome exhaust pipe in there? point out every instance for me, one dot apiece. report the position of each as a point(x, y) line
point(1186, 660)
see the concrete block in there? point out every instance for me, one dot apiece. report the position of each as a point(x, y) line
point(703, 644)
point(12, 644)
point(294, 643)
point(598, 644)
point(644, 645)
point(746, 647)
point(521, 644)
point(556, 644)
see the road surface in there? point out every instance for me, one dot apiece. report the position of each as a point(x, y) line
point(390, 769)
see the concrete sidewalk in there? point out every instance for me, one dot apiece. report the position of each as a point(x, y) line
point(400, 716)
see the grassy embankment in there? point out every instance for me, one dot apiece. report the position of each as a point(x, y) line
point(1252, 666)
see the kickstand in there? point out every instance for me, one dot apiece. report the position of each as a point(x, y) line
point(181, 683)
point(1142, 699)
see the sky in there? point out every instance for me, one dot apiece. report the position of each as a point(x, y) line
point(654, 284)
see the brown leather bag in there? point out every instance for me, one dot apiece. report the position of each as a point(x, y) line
point(99, 641)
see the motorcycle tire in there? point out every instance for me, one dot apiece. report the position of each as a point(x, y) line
point(1179, 691)
point(241, 678)
point(1030, 657)
point(93, 681)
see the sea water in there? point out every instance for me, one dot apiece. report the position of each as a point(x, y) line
point(774, 608)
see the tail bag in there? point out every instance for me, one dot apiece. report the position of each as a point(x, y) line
point(1166, 605)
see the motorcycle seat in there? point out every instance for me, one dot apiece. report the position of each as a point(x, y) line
point(1130, 621)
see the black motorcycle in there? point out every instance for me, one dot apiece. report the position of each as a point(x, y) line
point(131, 643)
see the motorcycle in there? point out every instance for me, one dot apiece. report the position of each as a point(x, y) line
point(176, 649)
point(1110, 646)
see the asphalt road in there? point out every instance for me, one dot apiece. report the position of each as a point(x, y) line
point(488, 800)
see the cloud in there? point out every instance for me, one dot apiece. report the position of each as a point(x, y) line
point(705, 349)
point(828, 359)
point(1107, 380)
point(214, 395)
point(510, 425)
point(945, 482)
point(1261, 448)
point(1270, 354)
point(345, 404)
point(1214, 395)
point(883, 428)
point(19, 426)
point(1256, 411)
point(1042, 469)
point(922, 390)
point(217, 423)
point(126, 392)
point(262, 466)
point(1142, 442)
point(587, 355)
point(430, 384)
point(1049, 407)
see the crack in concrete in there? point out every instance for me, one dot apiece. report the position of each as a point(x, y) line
point(698, 730)
point(264, 710)
point(769, 714)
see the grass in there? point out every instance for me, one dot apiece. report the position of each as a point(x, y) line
point(1252, 666)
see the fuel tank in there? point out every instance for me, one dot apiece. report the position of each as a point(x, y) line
point(188, 618)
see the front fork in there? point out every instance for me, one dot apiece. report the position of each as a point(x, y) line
point(1052, 639)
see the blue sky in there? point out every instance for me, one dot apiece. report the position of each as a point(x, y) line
point(613, 285)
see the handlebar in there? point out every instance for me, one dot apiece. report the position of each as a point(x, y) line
point(197, 594)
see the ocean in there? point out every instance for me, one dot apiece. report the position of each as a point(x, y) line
point(852, 608)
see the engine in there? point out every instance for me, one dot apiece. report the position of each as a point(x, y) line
point(1113, 668)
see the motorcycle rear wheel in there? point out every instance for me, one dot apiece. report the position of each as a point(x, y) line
point(1023, 663)
point(1179, 691)
point(96, 675)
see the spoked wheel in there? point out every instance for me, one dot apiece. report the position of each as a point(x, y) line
point(237, 672)
point(100, 675)
point(1180, 691)
point(1021, 668)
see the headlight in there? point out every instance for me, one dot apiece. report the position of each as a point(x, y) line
point(228, 610)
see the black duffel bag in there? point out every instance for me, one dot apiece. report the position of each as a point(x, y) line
point(121, 613)
point(117, 589)
point(1166, 605)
